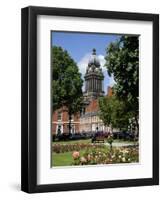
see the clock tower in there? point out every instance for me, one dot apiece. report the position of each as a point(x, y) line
point(93, 78)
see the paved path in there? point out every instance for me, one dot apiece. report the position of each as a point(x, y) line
point(121, 144)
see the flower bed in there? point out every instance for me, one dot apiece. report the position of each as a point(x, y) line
point(91, 154)
point(106, 156)
point(61, 148)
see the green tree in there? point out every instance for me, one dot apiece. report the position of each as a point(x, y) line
point(114, 112)
point(66, 83)
point(122, 60)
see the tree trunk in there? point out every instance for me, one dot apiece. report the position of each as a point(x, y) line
point(137, 126)
point(70, 117)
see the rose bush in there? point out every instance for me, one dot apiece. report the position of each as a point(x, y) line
point(75, 155)
point(103, 155)
point(61, 148)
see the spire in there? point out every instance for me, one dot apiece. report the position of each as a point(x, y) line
point(93, 51)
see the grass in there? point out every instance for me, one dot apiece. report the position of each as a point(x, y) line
point(62, 159)
point(122, 141)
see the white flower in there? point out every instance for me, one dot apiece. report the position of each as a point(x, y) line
point(123, 159)
point(83, 160)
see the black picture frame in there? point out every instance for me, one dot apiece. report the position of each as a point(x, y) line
point(29, 99)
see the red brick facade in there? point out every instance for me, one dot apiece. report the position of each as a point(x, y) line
point(93, 106)
point(60, 117)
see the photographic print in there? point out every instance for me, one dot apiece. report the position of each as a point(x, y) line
point(90, 99)
point(94, 99)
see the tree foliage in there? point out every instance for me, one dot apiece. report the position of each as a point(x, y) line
point(114, 112)
point(66, 82)
point(122, 60)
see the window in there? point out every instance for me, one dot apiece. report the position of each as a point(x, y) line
point(59, 115)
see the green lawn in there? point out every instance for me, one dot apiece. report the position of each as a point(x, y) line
point(123, 141)
point(62, 159)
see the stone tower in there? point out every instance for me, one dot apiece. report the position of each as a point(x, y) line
point(93, 78)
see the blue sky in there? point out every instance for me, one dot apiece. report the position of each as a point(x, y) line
point(80, 45)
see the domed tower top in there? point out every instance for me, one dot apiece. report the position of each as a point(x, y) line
point(94, 59)
point(93, 78)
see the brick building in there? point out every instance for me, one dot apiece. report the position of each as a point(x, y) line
point(89, 120)
point(60, 121)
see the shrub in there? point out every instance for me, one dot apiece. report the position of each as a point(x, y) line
point(105, 156)
point(61, 148)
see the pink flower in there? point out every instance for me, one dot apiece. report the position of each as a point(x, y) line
point(75, 155)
